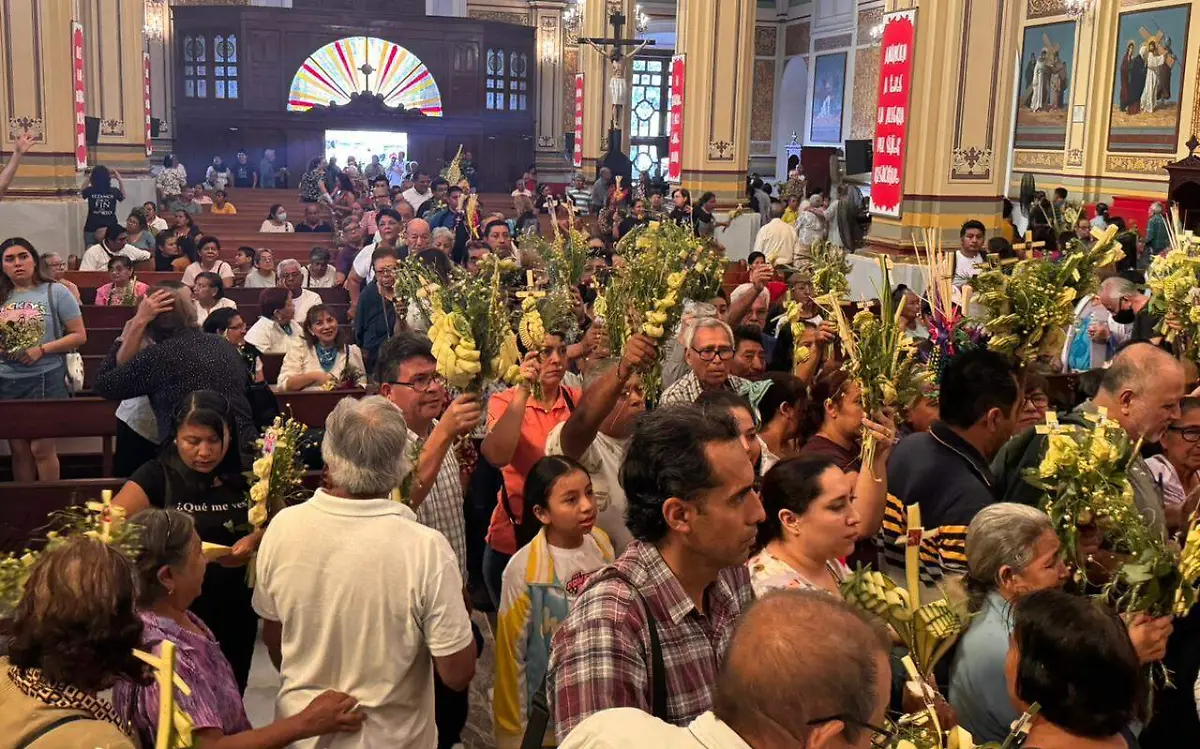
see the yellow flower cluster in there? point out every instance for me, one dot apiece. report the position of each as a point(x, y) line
point(1174, 282)
point(277, 474)
point(21, 334)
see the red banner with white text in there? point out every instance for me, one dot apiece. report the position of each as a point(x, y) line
point(577, 157)
point(891, 115)
point(146, 100)
point(77, 90)
point(675, 120)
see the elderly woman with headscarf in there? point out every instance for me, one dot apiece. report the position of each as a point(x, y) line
point(74, 632)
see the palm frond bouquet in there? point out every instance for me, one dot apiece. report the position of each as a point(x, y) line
point(471, 330)
point(278, 474)
point(18, 335)
point(1174, 281)
point(101, 520)
point(881, 359)
point(830, 272)
point(665, 265)
point(948, 335)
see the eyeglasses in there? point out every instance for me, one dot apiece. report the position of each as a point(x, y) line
point(880, 737)
point(1039, 400)
point(1189, 434)
point(422, 384)
point(709, 354)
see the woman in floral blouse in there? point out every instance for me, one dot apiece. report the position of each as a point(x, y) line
point(811, 524)
point(123, 290)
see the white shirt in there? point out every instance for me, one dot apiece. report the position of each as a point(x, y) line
point(779, 238)
point(366, 595)
point(362, 261)
point(327, 281)
point(303, 303)
point(97, 256)
point(159, 224)
point(266, 336)
point(222, 269)
point(603, 460)
point(222, 303)
point(271, 227)
point(967, 267)
point(256, 280)
point(416, 199)
point(623, 727)
point(301, 358)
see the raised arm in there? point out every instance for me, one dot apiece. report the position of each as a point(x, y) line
point(23, 144)
point(599, 400)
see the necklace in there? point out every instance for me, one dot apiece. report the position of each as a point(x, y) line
point(326, 357)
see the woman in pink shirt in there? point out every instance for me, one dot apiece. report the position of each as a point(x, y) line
point(517, 427)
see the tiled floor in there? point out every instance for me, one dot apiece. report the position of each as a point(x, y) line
point(264, 685)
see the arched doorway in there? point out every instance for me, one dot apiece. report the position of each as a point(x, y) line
point(790, 113)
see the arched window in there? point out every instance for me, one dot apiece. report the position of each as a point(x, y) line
point(651, 90)
point(210, 66)
point(225, 54)
point(364, 64)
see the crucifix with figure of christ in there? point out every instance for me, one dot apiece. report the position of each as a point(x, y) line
point(616, 50)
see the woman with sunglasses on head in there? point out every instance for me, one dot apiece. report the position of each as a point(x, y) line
point(171, 570)
point(199, 471)
point(1176, 469)
point(323, 358)
point(560, 547)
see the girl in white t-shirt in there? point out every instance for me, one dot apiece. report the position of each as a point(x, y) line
point(560, 547)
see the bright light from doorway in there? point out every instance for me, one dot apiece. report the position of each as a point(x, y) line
point(362, 144)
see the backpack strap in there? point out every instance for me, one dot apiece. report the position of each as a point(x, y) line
point(33, 738)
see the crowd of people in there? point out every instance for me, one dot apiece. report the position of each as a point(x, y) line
point(662, 572)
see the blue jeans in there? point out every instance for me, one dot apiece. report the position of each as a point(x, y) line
point(494, 563)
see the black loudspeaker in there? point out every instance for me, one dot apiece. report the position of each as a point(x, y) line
point(859, 155)
point(570, 144)
point(155, 127)
point(91, 126)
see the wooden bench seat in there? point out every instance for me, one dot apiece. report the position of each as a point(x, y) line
point(116, 317)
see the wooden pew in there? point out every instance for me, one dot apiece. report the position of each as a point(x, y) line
point(116, 317)
point(60, 418)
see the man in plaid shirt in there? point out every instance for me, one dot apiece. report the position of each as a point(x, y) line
point(693, 510)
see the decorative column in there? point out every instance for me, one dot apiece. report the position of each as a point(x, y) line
point(597, 71)
point(717, 38)
point(547, 18)
point(959, 120)
point(160, 41)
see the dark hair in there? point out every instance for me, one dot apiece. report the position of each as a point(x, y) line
point(344, 182)
point(314, 162)
point(101, 177)
point(666, 458)
point(687, 194)
point(272, 300)
point(169, 160)
point(751, 333)
point(756, 255)
point(318, 255)
point(399, 349)
point(705, 198)
point(221, 193)
point(218, 321)
point(723, 402)
point(437, 261)
point(454, 190)
point(210, 409)
point(972, 224)
point(828, 387)
point(438, 182)
point(138, 215)
point(76, 619)
point(494, 223)
point(310, 318)
point(898, 294)
point(120, 260)
point(274, 207)
point(6, 284)
point(246, 251)
point(419, 173)
point(207, 239)
point(973, 383)
point(187, 248)
point(391, 213)
point(539, 484)
point(164, 540)
point(785, 388)
point(215, 280)
point(1001, 247)
point(1060, 192)
point(1077, 663)
point(382, 252)
point(791, 484)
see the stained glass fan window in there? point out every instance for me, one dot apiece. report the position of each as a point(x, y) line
point(363, 64)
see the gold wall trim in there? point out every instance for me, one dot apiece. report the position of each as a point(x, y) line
point(1045, 8)
point(1038, 159)
point(1137, 164)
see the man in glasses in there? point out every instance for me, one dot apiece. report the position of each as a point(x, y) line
point(598, 432)
point(708, 351)
point(804, 669)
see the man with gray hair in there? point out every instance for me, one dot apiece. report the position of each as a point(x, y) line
point(1128, 306)
point(1157, 236)
point(291, 277)
point(674, 364)
point(802, 669)
point(357, 596)
point(708, 349)
point(777, 239)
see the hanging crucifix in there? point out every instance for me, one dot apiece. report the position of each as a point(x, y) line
point(616, 50)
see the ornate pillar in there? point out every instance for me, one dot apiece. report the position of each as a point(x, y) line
point(959, 119)
point(717, 37)
point(160, 40)
point(547, 18)
point(597, 71)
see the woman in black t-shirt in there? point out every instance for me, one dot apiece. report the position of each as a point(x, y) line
point(199, 472)
point(102, 198)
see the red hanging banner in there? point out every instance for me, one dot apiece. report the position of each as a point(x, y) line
point(891, 115)
point(146, 100)
point(675, 121)
point(77, 89)
point(577, 158)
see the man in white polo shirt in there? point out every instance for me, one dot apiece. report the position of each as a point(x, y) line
point(357, 596)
